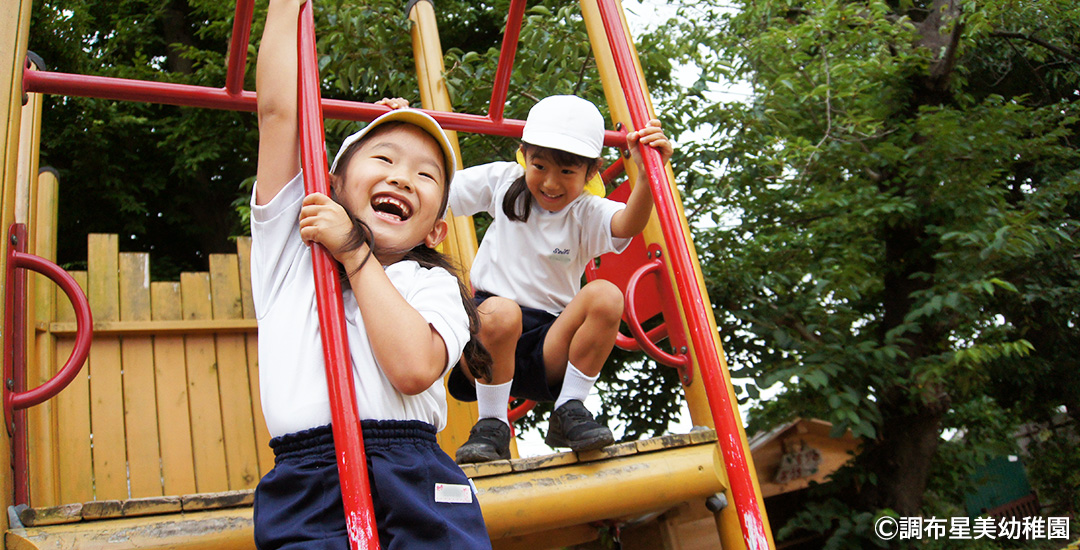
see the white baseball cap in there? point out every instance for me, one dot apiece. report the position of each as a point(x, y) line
point(409, 116)
point(568, 123)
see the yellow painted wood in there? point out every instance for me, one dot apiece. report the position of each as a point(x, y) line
point(238, 426)
point(229, 529)
point(262, 435)
point(74, 461)
point(460, 243)
point(535, 501)
point(140, 397)
point(106, 385)
point(155, 327)
point(202, 378)
point(41, 420)
point(170, 373)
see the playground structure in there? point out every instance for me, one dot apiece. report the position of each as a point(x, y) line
point(171, 403)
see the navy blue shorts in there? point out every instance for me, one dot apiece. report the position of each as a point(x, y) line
point(530, 375)
point(298, 503)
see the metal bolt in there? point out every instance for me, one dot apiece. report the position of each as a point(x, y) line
point(10, 384)
point(658, 253)
point(716, 502)
point(14, 239)
point(683, 350)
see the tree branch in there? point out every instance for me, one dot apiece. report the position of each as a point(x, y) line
point(1036, 40)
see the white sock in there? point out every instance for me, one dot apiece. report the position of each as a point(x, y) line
point(491, 400)
point(575, 385)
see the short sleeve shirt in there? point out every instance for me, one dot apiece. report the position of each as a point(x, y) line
point(292, 376)
point(538, 263)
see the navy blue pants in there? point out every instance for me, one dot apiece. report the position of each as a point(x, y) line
point(530, 374)
point(298, 503)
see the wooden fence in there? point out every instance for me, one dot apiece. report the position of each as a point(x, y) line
point(168, 403)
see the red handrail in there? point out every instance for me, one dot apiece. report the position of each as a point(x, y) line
point(83, 334)
point(187, 95)
point(348, 437)
point(698, 325)
point(634, 323)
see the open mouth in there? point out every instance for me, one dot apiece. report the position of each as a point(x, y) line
point(391, 208)
point(550, 196)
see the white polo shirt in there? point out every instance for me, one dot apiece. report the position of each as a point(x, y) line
point(538, 263)
point(292, 376)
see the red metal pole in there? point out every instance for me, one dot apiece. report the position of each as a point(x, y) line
point(348, 438)
point(186, 95)
point(238, 46)
point(506, 60)
point(693, 304)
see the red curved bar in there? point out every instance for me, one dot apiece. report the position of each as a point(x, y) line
point(345, 421)
point(84, 334)
point(629, 343)
point(647, 345)
point(519, 411)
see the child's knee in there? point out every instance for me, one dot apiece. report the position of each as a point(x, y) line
point(500, 319)
point(605, 300)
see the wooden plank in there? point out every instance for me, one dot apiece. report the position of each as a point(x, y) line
point(41, 420)
point(140, 399)
point(202, 379)
point(151, 505)
point(106, 384)
point(212, 501)
point(102, 509)
point(170, 373)
point(52, 515)
point(74, 461)
point(262, 435)
point(238, 425)
point(153, 328)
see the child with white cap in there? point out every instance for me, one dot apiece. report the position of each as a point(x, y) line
point(407, 321)
point(548, 336)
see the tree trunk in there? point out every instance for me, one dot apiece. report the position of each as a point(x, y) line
point(901, 456)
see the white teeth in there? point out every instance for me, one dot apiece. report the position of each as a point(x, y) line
point(386, 199)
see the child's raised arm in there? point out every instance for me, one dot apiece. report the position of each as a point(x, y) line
point(632, 219)
point(275, 84)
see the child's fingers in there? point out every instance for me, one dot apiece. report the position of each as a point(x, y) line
point(393, 102)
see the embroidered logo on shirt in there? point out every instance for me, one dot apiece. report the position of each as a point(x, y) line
point(452, 493)
point(560, 255)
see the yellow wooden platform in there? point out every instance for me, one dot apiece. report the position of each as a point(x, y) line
point(531, 503)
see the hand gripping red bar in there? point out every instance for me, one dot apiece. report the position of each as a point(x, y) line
point(348, 439)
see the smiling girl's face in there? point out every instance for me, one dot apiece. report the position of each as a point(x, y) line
point(553, 184)
point(395, 182)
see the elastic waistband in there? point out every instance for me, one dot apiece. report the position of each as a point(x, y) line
point(378, 434)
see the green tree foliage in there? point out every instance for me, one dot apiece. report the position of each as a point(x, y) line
point(889, 225)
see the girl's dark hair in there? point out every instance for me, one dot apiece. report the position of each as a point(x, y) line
point(476, 356)
point(517, 203)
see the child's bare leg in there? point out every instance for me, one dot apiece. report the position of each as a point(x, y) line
point(500, 328)
point(585, 331)
point(575, 349)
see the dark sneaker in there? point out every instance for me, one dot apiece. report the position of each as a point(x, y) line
point(572, 425)
point(488, 440)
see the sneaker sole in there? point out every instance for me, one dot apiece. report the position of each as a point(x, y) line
point(598, 441)
point(474, 456)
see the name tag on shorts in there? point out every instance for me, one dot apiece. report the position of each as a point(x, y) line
point(453, 494)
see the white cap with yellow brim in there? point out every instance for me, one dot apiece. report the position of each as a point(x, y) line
point(417, 118)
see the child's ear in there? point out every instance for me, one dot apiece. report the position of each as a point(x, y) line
point(437, 234)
